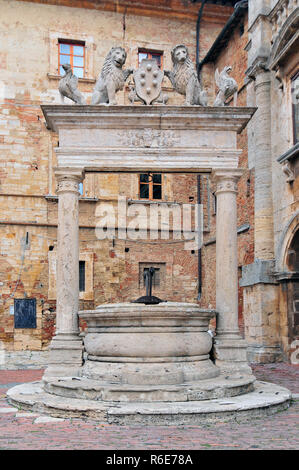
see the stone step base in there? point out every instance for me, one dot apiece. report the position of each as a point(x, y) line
point(265, 400)
point(84, 388)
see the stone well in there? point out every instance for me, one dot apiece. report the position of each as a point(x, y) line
point(148, 363)
point(148, 353)
point(140, 344)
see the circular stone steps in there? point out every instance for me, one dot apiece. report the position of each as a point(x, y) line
point(83, 388)
point(265, 400)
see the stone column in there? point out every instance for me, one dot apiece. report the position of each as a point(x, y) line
point(66, 347)
point(263, 202)
point(230, 348)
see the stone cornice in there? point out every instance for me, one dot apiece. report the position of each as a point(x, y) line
point(140, 117)
point(258, 19)
point(175, 9)
point(290, 154)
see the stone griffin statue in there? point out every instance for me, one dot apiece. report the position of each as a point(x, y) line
point(112, 77)
point(226, 86)
point(183, 77)
point(68, 86)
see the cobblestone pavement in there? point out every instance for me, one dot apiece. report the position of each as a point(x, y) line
point(24, 430)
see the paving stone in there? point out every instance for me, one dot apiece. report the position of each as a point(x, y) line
point(8, 410)
point(279, 431)
point(47, 419)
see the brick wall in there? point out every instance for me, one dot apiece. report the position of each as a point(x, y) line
point(29, 78)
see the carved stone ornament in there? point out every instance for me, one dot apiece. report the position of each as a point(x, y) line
point(183, 77)
point(288, 171)
point(226, 85)
point(150, 138)
point(68, 86)
point(227, 184)
point(68, 185)
point(148, 81)
point(112, 77)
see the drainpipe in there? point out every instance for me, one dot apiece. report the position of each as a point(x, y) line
point(200, 12)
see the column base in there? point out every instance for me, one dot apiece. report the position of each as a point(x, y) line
point(231, 355)
point(66, 356)
point(260, 354)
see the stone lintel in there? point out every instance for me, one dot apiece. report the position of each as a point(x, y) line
point(259, 272)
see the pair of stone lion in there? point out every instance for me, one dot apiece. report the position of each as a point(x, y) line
point(183, 77)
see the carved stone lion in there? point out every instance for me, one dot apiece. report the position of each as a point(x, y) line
point(112, 77)
point(183, 77)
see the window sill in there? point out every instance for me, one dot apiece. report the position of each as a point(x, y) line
point(290, 154)
point(54, 198)
point(81, 80)
point(147, 201)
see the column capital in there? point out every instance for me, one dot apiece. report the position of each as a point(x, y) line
point(68, 179)
point(258, 68)
point(226, 179)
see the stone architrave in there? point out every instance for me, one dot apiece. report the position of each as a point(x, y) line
point(148, 81)
point(66, 347)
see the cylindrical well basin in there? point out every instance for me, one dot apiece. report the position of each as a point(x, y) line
point(141, 344)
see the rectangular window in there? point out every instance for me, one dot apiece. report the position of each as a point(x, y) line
point(150, 186)
point(81, 189)
point(25, 313)
point(158, 277)
point(295, 105)
point(147, 54)
point(73, 54)
point(81, 276)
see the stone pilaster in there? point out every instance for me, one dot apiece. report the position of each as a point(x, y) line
point(260, 293)
point(66, 347)
point(230, 348)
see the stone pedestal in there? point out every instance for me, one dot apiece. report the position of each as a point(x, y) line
point(66, 347)
point(230, 348)
point(262, 318)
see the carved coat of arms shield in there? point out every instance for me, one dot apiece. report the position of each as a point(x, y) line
point(148, 81)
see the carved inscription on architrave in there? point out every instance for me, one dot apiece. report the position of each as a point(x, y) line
point(150, 138)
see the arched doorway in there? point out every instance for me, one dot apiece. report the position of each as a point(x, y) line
point(292, 262)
